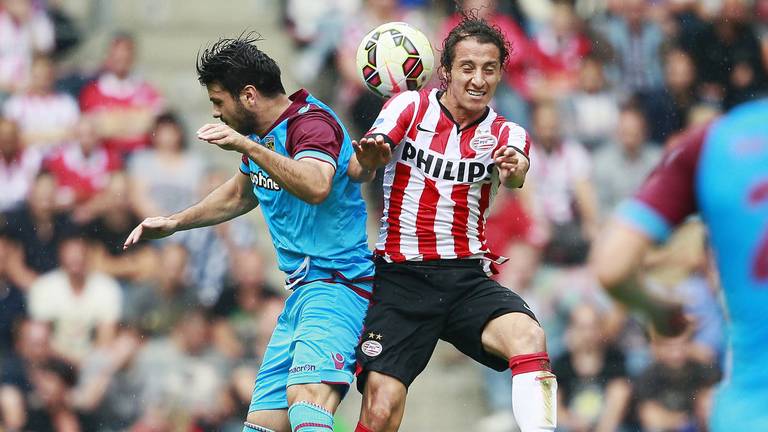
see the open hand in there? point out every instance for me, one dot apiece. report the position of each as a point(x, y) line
point(511, 165)
point(223, 136)
point(372, 152)
point(151, 228)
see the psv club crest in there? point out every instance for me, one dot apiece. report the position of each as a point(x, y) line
point(483, 142)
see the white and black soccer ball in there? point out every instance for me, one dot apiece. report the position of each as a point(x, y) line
point(395, 57)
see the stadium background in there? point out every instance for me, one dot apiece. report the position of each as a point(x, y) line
point(168, 336)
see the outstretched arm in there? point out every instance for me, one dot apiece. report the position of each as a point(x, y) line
point(616, 259)
point(371, 153)
point(226, 202)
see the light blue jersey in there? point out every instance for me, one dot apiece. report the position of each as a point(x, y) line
point(323, 251)
point(721, 172)
point(312, 241)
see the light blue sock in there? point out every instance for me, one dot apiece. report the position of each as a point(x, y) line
point(308, 417)
point(250, 427)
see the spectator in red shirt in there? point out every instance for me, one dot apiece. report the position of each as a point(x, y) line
point(560, 47)
point(123, 104)
point(82, 168)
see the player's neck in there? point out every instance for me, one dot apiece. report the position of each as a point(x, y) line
point(272, 110)
point(461, 116)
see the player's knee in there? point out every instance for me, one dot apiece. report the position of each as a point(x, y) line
point(382, 401)
point(532, 338)
point(525, 337)
point(319, 394)
point(255, 422)
point(514, 334)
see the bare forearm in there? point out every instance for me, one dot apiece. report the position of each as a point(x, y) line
point(224, 203)
point(301, 179)
point(357, 173)
point(513, 181)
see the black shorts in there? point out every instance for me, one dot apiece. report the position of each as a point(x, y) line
point(416, 303)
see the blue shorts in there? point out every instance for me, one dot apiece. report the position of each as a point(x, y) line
point(314, 342)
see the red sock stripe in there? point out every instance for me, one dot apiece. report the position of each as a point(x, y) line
point(529, 363)
point(361, 428)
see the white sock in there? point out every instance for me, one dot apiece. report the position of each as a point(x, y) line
point(534, 401)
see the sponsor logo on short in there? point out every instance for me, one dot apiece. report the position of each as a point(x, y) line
point(483, 143)
point(301, 368)
point(338, 360)
point(371, 348)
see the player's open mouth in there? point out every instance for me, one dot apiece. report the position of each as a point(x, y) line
point(475, 93)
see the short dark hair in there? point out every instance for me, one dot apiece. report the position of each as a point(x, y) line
point(237, 62)
point(473, 27)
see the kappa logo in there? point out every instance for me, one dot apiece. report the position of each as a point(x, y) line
point(338, 360)
point(483, 143)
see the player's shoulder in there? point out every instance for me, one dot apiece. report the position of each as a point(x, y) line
point(409, 96)
point(514, 129)
point(314, 116)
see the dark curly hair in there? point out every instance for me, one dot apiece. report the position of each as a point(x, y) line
point(471, 26)
point(236, 63)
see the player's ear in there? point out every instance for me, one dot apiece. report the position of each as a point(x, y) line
point(249, 95)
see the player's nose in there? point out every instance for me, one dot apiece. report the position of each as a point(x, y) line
point(477, 78)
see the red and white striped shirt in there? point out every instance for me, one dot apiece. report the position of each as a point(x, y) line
point(441, 179)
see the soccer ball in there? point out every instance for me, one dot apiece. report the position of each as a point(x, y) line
point(395, 57)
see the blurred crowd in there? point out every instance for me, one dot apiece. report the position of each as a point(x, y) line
point(168, 336)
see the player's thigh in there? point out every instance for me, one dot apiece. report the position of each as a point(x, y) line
point(269, 389)
point(277, 420)
point(402, 326)
point(470, 328)
point(329, 323)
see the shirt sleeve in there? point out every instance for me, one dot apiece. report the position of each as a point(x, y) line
point(315, 135)
point(244, 168)
point(668, 195)
point(516, 137)
point(396, 117)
